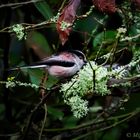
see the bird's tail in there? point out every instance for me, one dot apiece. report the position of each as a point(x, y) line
point(27, 67)
point(44, 64)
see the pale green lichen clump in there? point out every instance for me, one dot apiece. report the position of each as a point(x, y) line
point(79, 107)
point(11, 82)
point(83, 84)
point(65, 25)
point(19, 30)
point(92, 79)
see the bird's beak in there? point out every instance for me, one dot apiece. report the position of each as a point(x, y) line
point(85, 61)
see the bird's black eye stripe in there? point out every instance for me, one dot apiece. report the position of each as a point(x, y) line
point(61, 63)
point(57, 63)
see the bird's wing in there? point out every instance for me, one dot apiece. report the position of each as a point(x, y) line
point(33, 66)
point(43, 64)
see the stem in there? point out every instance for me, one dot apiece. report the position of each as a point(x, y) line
point(19, 3)
point(8, 109)
point(132, 114)
point(95, 122)
point(44, 121)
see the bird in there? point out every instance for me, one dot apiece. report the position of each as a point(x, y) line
point(61, 65)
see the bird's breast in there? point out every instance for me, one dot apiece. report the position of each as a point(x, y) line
point(59, 71)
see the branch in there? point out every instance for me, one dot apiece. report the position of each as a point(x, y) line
point(130, 38)
point(103, 128)
point(88, 128)
point(43, 100)
point(19, 3)
point(44, 121)
point(27, 26)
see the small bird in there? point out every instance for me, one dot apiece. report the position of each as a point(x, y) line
point(61, 65)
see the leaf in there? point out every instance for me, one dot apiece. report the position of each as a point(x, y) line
point(44, 9)
point(113, 134)
point(66, 20)
point(16, 51)
point(70, 121)
point(39, 44)
point(108, 37)
point(56, 113)
point(35, 76)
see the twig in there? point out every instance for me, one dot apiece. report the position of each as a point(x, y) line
point(31, 117)
point(94, 76)
point(137, 111)
point(62, 5)
point(113, 52)
point(19, 3)
point(42, 93)
point(93, 122)
point(93, 126)
point(44, 121)
point(27, 26)
point(86, 14)
point(42, 84)
point(43, 100)
point(7, 103)
point(130, 38)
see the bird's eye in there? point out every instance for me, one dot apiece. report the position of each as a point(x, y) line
point(81, 57)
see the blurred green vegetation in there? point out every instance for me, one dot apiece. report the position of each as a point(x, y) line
point(95, 35)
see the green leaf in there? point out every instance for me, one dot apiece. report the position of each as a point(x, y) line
point(70, 121)
point(44, 9)
point(56, 113)
point(35, 76)
point(51, 81)
point(106, 37)
point(113, 134)
point(88, 24)
point(16, 51)
point(39, 44)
